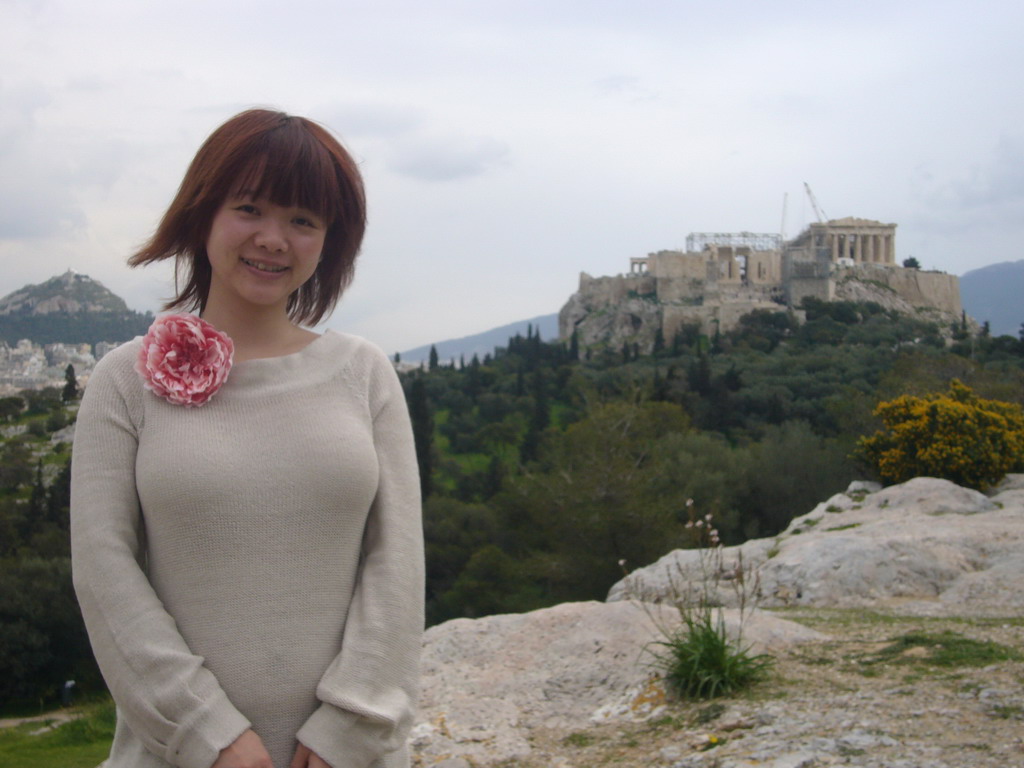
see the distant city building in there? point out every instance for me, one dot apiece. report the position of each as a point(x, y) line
point(30, 366)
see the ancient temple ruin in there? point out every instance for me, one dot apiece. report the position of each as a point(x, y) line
point(722, 276)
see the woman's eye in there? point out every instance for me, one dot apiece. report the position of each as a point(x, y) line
point(304, 221)
point(246, 208)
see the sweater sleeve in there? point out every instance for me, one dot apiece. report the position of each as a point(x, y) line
point(164, 694)
point(368, 693)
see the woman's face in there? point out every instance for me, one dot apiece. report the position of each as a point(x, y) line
point(260, 253)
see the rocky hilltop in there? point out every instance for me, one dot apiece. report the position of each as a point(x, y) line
point(68, 293)
point(723, 276)
point(68, 309)
point(571, 686)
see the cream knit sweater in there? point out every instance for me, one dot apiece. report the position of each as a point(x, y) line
point(254, 562)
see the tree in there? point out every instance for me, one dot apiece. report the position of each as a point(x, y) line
point(956, 436)
point(659, 343)
point(595, 498)
point(423, 433)
point(15, 464)
point(10, 407)
point(432, 364)
point(911, 263)
point(70, 385)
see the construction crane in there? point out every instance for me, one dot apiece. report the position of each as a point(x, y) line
point(782, 226)
point(822, 218)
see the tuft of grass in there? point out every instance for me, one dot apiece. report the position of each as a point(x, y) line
point(700, 662)
point(842, 527)
point(578, 739)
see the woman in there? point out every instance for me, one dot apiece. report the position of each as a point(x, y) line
point(246, 538)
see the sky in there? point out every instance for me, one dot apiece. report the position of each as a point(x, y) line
point(509, 145)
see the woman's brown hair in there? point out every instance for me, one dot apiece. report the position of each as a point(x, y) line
point(291, 161)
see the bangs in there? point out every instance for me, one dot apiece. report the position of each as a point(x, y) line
point(289, 167)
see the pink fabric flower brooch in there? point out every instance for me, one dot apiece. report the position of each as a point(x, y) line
point(184, 359)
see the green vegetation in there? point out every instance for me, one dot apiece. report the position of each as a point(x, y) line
point(944, 649)
point(42, 637)
point(546, 464)
point(80, 743)
point(74, 327)
point(700, 662)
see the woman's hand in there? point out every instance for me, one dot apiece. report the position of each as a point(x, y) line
point(306, 758)
point(247, 751)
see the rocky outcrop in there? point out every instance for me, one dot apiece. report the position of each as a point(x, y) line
point(493, 687)
point(907, 291)
point(612, 310)
point(488, 682)
point(927, 546)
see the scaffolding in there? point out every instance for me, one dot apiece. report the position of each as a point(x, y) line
point(755, 241)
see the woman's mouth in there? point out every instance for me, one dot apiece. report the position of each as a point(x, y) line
point(263, 267)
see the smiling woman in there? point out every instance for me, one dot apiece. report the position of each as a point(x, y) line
point(288, 161)
point(266, 611)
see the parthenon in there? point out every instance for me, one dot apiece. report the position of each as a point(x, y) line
point(722, 276)
point(862, 241)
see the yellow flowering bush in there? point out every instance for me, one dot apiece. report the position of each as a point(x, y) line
point(957, 436)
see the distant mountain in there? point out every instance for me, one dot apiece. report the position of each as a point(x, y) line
point(68, 293)
point(484, 343)
point(70, 308)
point(994, 293)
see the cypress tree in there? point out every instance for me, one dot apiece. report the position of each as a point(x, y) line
point(70, 384)
point(423, 433)
point(659, 343)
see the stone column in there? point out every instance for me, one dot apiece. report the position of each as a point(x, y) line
point(858, 248)
point(834, 241)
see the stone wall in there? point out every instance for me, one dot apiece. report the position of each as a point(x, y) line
point(918, 288)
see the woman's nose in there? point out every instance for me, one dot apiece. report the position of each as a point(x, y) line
point(271, 235)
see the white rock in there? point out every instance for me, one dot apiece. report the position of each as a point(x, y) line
point(487, 682)
point(927, 544)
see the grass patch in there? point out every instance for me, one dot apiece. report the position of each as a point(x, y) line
point(944, 649)
point(1009, 712)
point(843, 527)
point(81, 743)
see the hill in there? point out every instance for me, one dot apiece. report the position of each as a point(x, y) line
point(481, 344)
point(993, 293)
point(70, 308)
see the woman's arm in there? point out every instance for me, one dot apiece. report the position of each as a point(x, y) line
point(369, 692)
point(168, 699)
